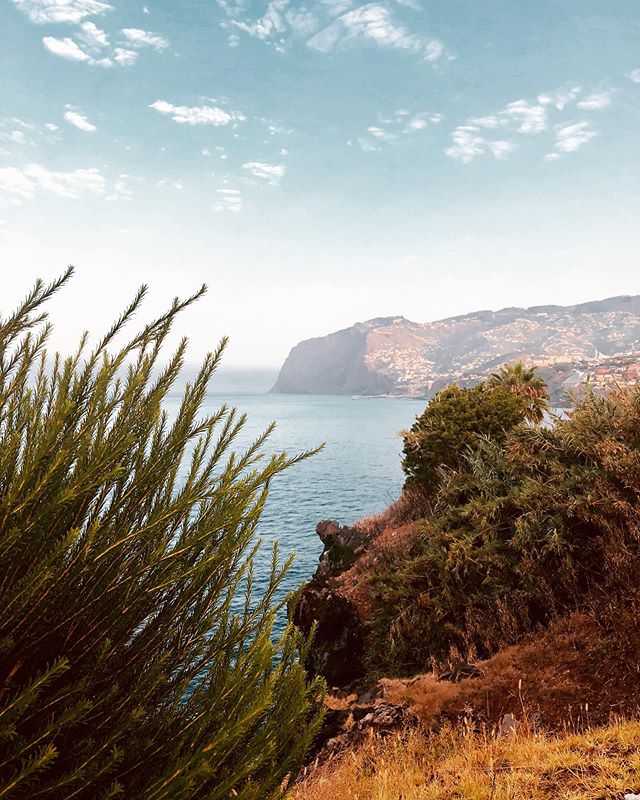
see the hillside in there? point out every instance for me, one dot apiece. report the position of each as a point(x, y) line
point(392, 355)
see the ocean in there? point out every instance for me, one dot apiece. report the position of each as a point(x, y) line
point(358, 472)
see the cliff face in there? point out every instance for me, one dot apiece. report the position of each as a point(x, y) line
point(392, 355)
point(333, 364)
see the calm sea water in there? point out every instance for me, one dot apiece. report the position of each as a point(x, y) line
point(358, 473)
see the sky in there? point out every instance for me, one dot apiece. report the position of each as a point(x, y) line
point(317, 163)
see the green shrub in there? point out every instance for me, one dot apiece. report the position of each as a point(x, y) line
point(526, 529)
point(452, 423)
point(128, 666)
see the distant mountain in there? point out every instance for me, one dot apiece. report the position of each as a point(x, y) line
point(392, 355)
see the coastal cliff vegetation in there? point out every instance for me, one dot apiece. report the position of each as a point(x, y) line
point(135, 659)
point(495, 607)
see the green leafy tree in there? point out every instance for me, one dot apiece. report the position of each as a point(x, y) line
point(526, 383)
point(453, 422)
point(130, 666)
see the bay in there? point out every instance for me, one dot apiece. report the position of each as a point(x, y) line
point(358, 472)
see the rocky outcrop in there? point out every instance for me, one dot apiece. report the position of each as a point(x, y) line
point(339, 638)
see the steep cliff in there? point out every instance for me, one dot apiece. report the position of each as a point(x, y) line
point(392, 355)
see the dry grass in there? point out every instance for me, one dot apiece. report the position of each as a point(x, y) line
point(597, 764)
point(411, 506)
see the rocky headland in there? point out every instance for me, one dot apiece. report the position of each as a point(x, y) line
point(597, 342)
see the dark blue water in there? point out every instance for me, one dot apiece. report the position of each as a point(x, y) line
point(358, 473)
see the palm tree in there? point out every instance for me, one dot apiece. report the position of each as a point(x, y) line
point(524, 382)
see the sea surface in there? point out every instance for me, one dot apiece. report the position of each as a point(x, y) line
point(358, 472)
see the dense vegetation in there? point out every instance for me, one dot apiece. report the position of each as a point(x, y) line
point(526, 525)
point(451, 424)
point(128, 668)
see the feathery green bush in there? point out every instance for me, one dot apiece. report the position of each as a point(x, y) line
point(128, 666)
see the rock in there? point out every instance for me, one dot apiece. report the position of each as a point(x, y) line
point(342, 545)
point(509, 725)
point(337, 649)
point(378, 720)
point(338, 644)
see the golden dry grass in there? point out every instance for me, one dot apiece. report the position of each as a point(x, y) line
point(599, 764)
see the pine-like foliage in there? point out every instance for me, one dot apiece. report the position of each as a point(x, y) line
point(129, 666)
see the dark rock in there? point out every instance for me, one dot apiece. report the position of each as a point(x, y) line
point(338, 642)
point(342, 545)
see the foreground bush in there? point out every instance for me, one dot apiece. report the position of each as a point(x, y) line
point(526, 529)
point(588, 765)
point(128, 666)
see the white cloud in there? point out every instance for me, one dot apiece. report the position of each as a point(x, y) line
point(124, 57)
point(79, 121)
point(374, 23)
point(140, 38)
point(65, 48)
point(73, 11)
point(197, 115)
point(330, 24)
point(570, 138)
point(634, 75)
point(269, 172)
point(501, 149)
point(596, 101)
point(379, 133)
point(531, 118)
point(14, 136)
point(469, 142)
point(228, 200)
point(561, 98)
point(50, 126)
point(15, 185)
point(93, 36)
point(25, 183)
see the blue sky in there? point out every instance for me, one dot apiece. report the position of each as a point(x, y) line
point(318, 163)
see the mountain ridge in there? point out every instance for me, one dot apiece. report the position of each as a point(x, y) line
point(396, 356)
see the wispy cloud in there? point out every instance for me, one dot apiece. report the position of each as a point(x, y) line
point(570, 138)
point(197, 115)
point(66, 48)
point(634, 75)
point(596, 101)
point(79, 121)
point(272, 173)
point(228, 200)
point(140, 38)
point(375, 23)
point(74, 11)
point(18, 184)
point(560, 98)
point(331, 24)
point(399, 126)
